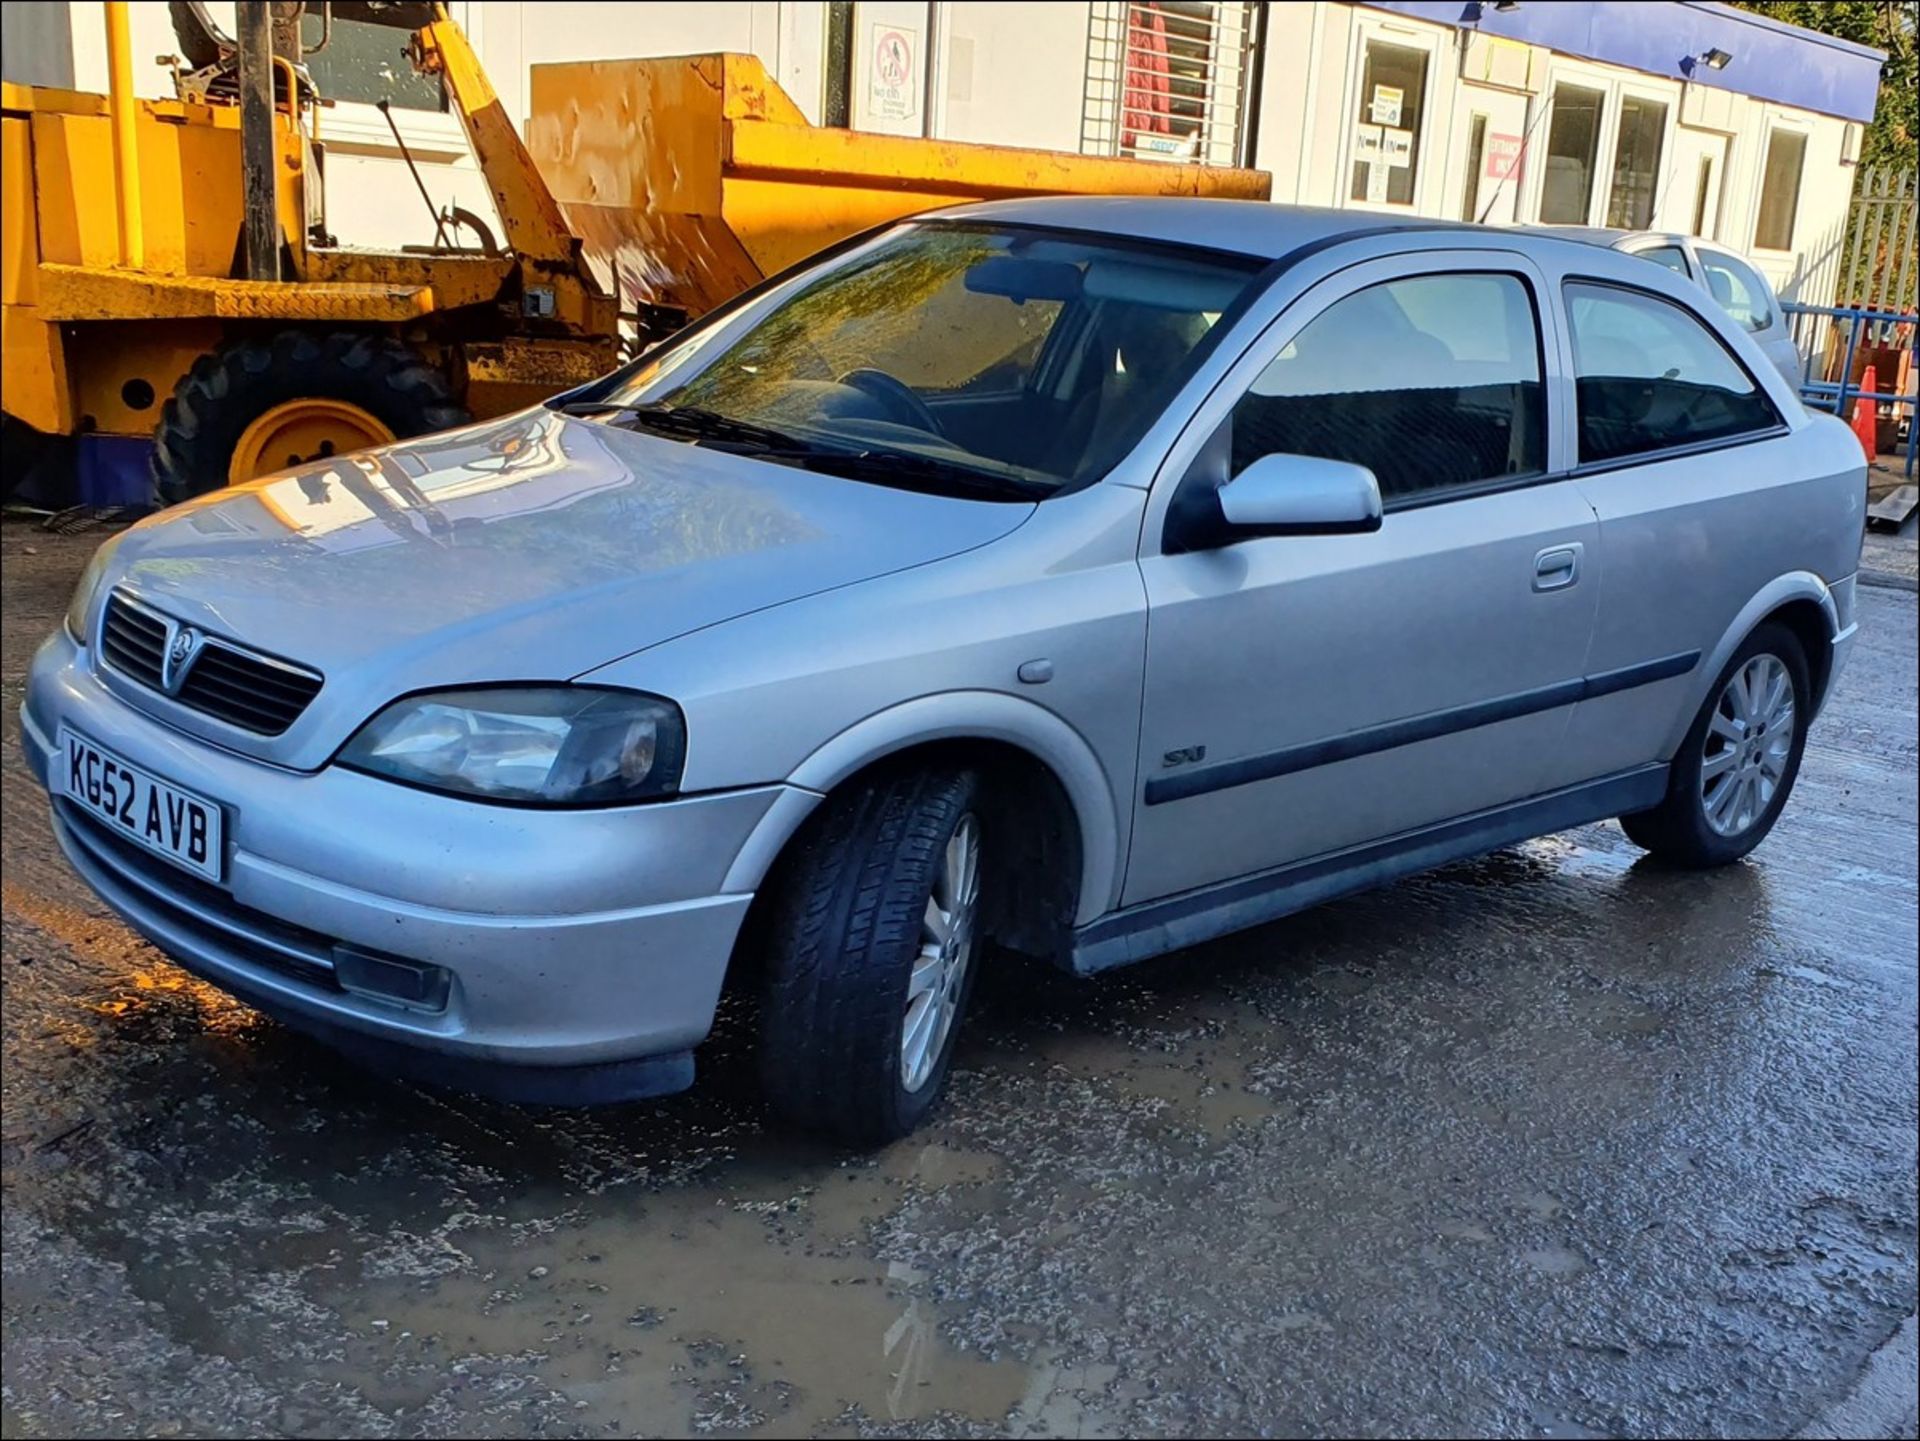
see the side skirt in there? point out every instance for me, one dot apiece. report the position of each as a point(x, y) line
point(1155, 927)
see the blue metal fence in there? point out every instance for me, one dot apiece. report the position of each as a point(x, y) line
point(1881, 328)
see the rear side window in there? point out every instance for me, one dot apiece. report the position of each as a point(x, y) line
point(1740, 291)
point(1650, 376)
point(1431, 383)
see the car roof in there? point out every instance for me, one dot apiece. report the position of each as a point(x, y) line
point(1257, 228)
point(1613, 237)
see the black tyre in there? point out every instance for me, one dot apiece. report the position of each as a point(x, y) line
point(356, 385)
point(874, 941)
point(1737, 766)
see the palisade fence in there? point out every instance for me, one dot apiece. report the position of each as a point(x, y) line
point(1878, 265)
point(1868, 332)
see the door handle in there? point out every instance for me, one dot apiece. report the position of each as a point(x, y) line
point(1557, 567)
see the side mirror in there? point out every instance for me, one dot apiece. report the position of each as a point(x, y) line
point(1300, 495)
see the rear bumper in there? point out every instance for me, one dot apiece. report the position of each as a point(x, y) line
point(1846, 626)
point(584, 966)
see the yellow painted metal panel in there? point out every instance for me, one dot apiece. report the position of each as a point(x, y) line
point(456, 280)
point(152, 353)
point(527, 211)
point(73, 292)
point(207, 206)
point(77, 225)
point(19, 234)
point(690, 178)
point(512, 374)
point(190, 194)
point(944, 169)
point(34, 364)
point(48, 99)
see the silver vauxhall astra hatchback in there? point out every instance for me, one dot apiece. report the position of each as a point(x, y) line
point(1076, 578)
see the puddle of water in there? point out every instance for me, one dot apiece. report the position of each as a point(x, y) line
point(1809, 974)
point(1555, 1261)
point(1199, 1096)
point(1189, 1072)
point(673, 1311)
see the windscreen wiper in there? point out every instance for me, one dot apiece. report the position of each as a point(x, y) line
point(694, 422)
point(763, 442)
point(912, 472)
point(688, 422)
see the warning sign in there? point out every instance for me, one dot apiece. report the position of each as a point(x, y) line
point(891, 92)
point(1387, 100)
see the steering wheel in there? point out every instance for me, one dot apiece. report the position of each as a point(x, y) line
point(897, 396)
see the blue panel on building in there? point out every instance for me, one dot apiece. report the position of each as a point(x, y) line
point(1771, 61)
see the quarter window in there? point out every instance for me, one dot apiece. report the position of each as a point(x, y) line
point(1671, 256)
point(1431, 383)
point(1740, 291)
point(1650, 376)
point(1780, 190)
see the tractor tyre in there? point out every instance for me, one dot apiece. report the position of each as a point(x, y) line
point(255, 406)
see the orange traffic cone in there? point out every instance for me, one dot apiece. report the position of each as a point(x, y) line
point(1866, 417)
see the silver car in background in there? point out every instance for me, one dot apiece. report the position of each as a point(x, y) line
point(1736, 284)
point(1077, 579)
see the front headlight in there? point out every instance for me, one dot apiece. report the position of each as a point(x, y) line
point(80, 608)
point(553, 746)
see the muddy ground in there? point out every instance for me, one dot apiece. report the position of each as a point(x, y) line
point(1553, 1143)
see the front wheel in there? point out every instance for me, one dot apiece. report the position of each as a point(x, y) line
point(1737, 766)
point(875, 939)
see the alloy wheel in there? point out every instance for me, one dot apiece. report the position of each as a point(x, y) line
point(1748, 744)
point(947, 933)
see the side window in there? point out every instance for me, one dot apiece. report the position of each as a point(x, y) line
point(1740, 291)
point(1431, 383)
point(1671, 256)
point(1648, 376)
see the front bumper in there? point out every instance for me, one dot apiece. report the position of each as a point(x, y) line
point(584, 950)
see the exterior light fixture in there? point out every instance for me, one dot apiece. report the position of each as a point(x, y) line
point(1715, 59)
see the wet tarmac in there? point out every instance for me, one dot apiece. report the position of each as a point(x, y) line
point(1549, 1144)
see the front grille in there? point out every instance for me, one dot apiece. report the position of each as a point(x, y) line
point(243, 688)
point(133, 642)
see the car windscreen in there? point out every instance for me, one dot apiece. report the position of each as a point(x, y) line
point(977, 359)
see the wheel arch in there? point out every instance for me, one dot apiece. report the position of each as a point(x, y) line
point(1801, 601)
point(981, 724)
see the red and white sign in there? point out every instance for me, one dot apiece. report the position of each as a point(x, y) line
point(890, 86)
point(1503, 156)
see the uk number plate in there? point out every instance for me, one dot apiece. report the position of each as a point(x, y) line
point(134, 803)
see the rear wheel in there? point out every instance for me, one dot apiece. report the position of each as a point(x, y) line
point(1737, 766)
point(874, 943)
point(256, 406)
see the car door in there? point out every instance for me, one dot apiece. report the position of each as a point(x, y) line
point(1307, 693)
point(1699, 508)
